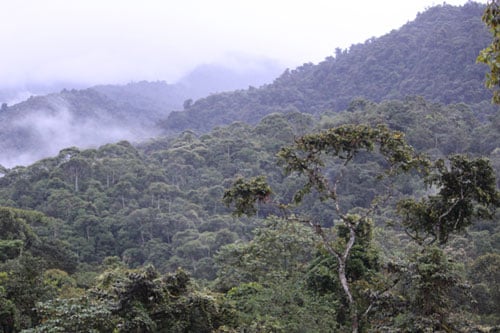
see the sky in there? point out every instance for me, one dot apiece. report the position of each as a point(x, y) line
point(119, 41)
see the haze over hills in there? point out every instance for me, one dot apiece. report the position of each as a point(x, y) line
point(42, 125)
point(15, 94)
point(240, 73)
point(237, 72)
point(432, 56)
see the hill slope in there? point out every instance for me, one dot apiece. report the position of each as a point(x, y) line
point(433, 56)
point(43, 125)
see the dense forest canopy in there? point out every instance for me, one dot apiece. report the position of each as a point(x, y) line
point(160, 203)
point(370, 209)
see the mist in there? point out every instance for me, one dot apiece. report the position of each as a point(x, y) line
point(40, 126)
point(46, 131)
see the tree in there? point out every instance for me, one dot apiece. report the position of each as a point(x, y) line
point(466, 190)
point(244, 193)
point(25, 253)
point(16, 234)
point(311, 157)
point(76, 167)
point(265, 281)
point(187, 104)
point(485, 278)
point(491, 54)
point(78, 315)
point(430, 288)
point(134, 301)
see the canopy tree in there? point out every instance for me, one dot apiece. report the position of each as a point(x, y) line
point(311, 157)
point(466, 190)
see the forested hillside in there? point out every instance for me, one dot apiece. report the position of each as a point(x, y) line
point(369, 214)
point(42, 125)
point(161, 203)
point(433, 56)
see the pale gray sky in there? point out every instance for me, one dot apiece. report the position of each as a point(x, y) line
point(118, 41)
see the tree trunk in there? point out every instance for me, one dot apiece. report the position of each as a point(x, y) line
point(352, 305)
point(342, 260)
point(76, 181)
point(345, 285)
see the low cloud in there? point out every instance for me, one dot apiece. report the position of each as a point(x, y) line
point(47, 131)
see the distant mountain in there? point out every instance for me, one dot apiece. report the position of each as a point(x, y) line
point(433, 56)
point(42, 125)
point(14, 94)
point(245, 72)
point(202, 81)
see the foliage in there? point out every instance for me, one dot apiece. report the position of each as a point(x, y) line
point(80, 231)
point(466, 190)
point(433, 278)
point(160, 202)
point(245, 193)
point(491, 54)
point(485, 278)
point(264, 280)
point(308, 157)
point(9, 314)
point(74, 315)
point(344, 142)
point(134, 301)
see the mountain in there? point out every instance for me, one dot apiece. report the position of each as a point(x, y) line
point(159, 204)
point(16, 93)
point(42, 125)
point(239, 73)
point(345, 230)
point(433, 56)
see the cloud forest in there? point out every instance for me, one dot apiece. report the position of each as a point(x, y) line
point(358, 194)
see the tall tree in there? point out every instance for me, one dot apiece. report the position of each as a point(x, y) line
point(311, 156)
point(464, 192)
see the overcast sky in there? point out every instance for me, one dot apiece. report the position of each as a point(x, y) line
point(118, 41)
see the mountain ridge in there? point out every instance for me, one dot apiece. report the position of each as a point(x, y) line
point(433, 56)
point(40, 126)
